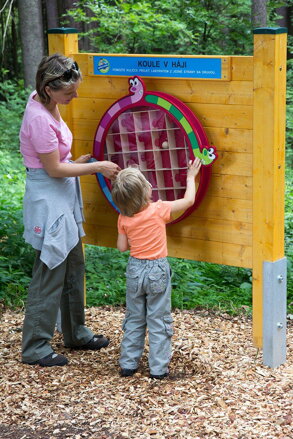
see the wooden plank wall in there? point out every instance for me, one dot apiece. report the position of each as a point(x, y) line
point(220, 230)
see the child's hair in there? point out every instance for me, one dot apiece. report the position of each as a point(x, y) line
point(56, 71)
point(130, 191)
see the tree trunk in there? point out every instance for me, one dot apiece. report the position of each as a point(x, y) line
point(15, 41)
point(31, 32)
point(259, 13)
point(52, 14)
point(69, 4)
point(285, 13)
point(84, 43)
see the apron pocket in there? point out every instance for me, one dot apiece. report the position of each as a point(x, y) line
point(56, 226)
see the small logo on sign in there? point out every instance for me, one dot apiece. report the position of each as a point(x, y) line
point(103, 65)
point(37, 229)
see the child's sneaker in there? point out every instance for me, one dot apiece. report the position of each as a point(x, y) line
point(127, 372)
point(159, 377)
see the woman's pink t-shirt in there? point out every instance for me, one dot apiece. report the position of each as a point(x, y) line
point(41, 133)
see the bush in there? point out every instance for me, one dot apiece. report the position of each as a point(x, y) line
point(16, 257)
point(194, 284)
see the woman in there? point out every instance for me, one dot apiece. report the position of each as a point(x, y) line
point(53, 217)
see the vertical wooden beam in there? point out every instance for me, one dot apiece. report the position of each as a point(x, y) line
point(63, 40)
point(269, 96)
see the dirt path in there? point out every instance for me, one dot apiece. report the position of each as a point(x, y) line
point(218, 387)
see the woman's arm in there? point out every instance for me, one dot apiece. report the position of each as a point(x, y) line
point(122, 242)
point(189, 196)
point(54, 168)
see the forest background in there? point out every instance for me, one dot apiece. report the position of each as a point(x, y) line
point(120, 26)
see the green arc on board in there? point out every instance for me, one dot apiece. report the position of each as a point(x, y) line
point(153, 99)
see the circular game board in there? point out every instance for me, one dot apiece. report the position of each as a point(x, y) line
point(159, 134)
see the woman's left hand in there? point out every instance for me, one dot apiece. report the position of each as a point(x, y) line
point(83, 158)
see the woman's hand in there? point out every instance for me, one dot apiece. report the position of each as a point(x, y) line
point(53, 166)
point(83, 158)
point(108, 169)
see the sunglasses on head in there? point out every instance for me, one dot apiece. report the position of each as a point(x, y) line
point(67, 75)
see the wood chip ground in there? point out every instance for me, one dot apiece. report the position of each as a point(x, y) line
point(218, 386)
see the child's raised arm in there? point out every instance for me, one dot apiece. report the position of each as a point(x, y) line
point(189, 196)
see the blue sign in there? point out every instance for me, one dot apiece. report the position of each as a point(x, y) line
point(171, 67)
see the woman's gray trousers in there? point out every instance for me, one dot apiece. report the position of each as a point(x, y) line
point(50, 289)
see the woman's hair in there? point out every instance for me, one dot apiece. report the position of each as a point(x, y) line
point(56, 71)
point(130, 191)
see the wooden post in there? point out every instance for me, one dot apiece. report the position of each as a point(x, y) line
point(63, 40)
point(269, 97)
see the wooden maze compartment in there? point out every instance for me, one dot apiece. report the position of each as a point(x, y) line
point(148, 139)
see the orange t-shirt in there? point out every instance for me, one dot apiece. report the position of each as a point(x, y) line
point(146, 230)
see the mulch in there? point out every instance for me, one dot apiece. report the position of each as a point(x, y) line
point(218, 386)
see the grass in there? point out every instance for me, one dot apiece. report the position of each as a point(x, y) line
point(194, 284)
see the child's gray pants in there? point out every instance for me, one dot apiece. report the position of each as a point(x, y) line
point(148, 304)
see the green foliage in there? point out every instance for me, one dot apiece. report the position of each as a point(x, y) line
point(201, 285)
point(16, 257)
point(164, 26)
point(194, 284)
point(105, 276)
point(180, 26)
point(13, 98)
point(10, 50)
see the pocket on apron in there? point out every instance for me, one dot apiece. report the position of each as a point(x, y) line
point(56, 226)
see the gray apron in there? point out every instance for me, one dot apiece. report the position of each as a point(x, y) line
point(52, 215)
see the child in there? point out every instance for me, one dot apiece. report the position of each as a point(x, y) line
point(142, 227)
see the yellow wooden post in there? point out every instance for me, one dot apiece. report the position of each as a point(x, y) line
point(63, 40)
point(269, 97)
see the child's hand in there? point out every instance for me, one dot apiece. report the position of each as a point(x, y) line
point(83, 158)
point(193, 167)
